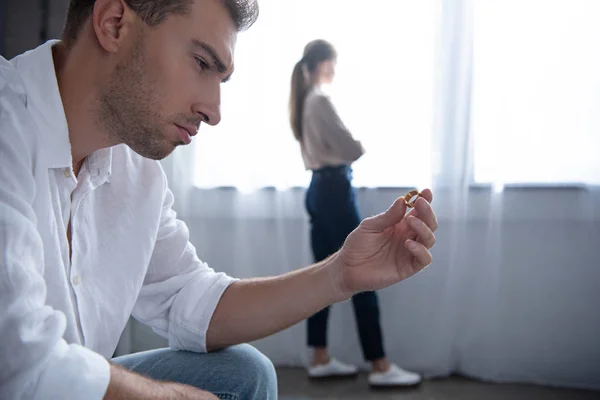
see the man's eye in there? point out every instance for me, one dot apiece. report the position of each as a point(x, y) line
point(203, 64)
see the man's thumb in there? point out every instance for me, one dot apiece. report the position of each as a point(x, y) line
point(388, 218)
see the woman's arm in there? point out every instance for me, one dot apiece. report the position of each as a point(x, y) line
point(337, 136)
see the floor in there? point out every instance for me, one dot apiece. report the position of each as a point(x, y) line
point(294, 385)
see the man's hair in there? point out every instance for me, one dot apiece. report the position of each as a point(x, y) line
point(243, 13)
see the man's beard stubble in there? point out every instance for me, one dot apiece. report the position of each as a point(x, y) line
point(128, 108)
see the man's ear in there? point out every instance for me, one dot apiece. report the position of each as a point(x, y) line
point(113, 21)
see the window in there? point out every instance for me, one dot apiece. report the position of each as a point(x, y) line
point(536, 91)
point(383, 90)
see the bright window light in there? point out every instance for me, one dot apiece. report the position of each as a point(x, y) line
point(536, 91)
point(383, 90)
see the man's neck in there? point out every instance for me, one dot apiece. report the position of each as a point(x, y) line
point(78, 85)
point(77, 166)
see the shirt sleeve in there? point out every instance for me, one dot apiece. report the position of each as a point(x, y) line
point(335, 134)
point(180, 292)
point(37, 363)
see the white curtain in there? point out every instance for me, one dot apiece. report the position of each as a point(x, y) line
point(514, 290)
point(522, 108)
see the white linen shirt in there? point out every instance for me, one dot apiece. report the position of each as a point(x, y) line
point(61, 318)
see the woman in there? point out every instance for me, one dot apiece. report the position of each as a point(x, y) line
point(328, 149)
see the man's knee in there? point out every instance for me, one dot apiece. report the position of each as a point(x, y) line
point(255, 372)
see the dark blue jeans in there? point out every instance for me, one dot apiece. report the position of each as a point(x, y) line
point(331, 204)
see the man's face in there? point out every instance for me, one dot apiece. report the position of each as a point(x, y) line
point(170, 81)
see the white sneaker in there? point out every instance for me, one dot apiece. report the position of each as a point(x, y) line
point(395, 376)
point(331, 369)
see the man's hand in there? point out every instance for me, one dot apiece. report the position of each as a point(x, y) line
point(126, 385)
point(386, 248)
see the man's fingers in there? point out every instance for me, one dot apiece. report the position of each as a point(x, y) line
point(422, 256)
point(427, 195)
point(397, 211)
point(424, 233)
point(426, 214)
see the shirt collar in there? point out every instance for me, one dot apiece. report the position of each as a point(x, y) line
point(99, 164)
point(43, 100)
point(36, 68)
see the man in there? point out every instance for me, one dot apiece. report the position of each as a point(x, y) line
point(88, 236)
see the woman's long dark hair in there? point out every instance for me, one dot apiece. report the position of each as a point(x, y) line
point(315, 53)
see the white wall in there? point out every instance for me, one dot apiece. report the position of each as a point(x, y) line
point(23, 22)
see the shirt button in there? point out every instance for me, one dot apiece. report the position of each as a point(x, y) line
point(67, 173)
point(76, 280)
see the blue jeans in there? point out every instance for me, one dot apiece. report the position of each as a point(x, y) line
point(331, 204)
point(238, 373)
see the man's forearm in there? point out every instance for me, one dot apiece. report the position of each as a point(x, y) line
point(126, 385)
point(254, 308)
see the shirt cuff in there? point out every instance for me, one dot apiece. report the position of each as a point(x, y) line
point(192, 312)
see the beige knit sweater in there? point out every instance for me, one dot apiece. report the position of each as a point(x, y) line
point(325, 139)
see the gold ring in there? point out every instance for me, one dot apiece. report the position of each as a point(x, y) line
point(408, 199)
